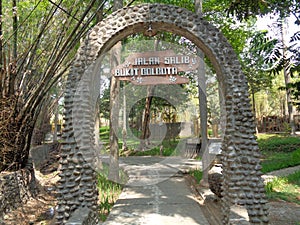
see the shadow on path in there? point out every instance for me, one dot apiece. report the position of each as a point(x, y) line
point(156, 193)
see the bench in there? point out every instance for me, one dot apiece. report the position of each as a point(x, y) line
point(192, 148)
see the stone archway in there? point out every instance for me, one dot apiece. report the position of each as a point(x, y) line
point(240, 156)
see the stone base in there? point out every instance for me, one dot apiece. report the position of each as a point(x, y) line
point(215, 178)
point(83, 216)
point(16, 188)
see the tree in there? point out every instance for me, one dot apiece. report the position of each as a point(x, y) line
point(36, 50)
point(283, 56)
point(275, 55)
point(104, 103)
point(148, 103)
point(254, 67)
point(245, 9)
point(278, 55)
point(114, 107)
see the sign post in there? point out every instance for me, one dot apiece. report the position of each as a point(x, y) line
point(157, 67)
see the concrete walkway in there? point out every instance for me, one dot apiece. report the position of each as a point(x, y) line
point(280, 173)
point(156, 193)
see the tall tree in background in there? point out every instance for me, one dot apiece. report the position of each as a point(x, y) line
point(114, 107)
point(285, 65)
point(280, 55)
point(202, 104)
point(146, 117)
point(253, 63)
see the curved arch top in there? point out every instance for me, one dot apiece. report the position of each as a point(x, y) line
point(240, 156)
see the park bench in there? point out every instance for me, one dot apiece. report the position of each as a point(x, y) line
point(192, 147)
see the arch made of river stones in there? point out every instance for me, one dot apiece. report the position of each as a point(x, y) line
point(242, 182)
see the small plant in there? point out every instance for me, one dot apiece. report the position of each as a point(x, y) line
point(287, 128)
point(285, 188)
point(105, 205)
point(197, 174)
point(269, 187)
point(109, 192)
point(296, 155)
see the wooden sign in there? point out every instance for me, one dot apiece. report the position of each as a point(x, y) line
point(158, 67)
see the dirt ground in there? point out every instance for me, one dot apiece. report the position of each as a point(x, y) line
point(41, 209)
point(280, 212)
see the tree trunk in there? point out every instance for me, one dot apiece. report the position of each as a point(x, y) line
point(124, 130)
point(222, 112)
point(12, 71)
point(113, 125)
point(15, 30)
point(203, 119)
point(15, 136)
point(202, 106)
point(114, 108)
point(56, 114)
point(146, 119)
point(287, 79)
point(1, 55)
point(254, 110)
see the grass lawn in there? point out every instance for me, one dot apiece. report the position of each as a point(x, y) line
point(285, 188)
point(168, 149)
point(108, 194)
point(270, 143)
point(280, 160)
point(278, 151)
point(168, 146)
point(281, 151)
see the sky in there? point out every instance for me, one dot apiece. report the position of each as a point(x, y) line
point(265, 23)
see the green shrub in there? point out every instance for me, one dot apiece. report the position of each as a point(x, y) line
point(269, 187)
point(279, 160)
point(295, 156)
point(169, 149)
point(277, 143)
point(278, 151)
point(109, 192)
point(294, 178)
point(284, 188)
point(197, 174)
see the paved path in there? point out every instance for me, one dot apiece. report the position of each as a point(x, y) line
point(280, 173)
point(156, 193)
